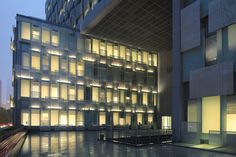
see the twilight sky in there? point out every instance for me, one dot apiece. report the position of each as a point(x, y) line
point(8, 11)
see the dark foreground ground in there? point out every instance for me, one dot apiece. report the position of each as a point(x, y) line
point(85, 144)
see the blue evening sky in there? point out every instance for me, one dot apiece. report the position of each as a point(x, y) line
point(8, 11)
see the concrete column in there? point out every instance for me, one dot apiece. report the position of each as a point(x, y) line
point(177, 89)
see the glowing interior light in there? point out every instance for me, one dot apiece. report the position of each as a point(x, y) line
point(145, 90)
point(88, 58)
point(116, 64)
point(134, 89)
point(55, 52)
point(25, 76)
point(122, 88)
point(128, 66)
point(150, 111)
point(72, 108)
point(35, 106)
point(63, 81)
point(95, 84)
point(115, 110)
point(80, 83)
point(88, 109)
point(103, 61)
point(101, 109)
point(154, 92)
point(139, 111)
point(109, 86)
point(128, 110)
point(55, 107)
point(150, 70)
point(127, 98)
point(45, 79)
point(35, 49)
point(140, 69)
point(72, 56)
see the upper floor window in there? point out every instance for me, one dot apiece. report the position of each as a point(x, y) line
point(45, 36)
point(96, 46)
point(35, 33)
point(155, 59)
point(145, 57)
point(116, 51)
point(54, 63)
point(25, 60)
point(103, 48)
point(25, 88)
point(55, 38)
point(80, 69)
point(211, 49)
point(128, 55)
point(109, 49)
point(25, 30)
point(35, 61)
point(134, 56)
point(122, 52)
point(88, 45)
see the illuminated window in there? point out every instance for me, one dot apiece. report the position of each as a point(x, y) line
point(115, 96)
point(44, 90)
point(63, 118)
point(116, 51)
point(102, 118)
point(35, 117)
point(54, 117)
point(45, 63)
point(139, 118)
point(211, 49)
point(109, 50)
point(145, 98)
point(35, 63)
point(64, 65)
point(140, 57)
point(109, 96)
point(45, 118)
point(145, 57)
point(122, 52)
point(54, 91)
point(72, 94)
point(155, 99)
point(231, 114)
point(63, 91)
point(25, 88)
point(54, 63)
point(115, 118)
point(72, 67)
point(80, 93)
point(128, 55)
point(155, 60)
point(55, 38)
point(25, 117)
point(210, 114)
point(134, 98)
point(88, 45)
point(166, 122)
point(25, 61)
point(102, 48)
point(96, 46)
point(25, 30)
point(80, 118)
point(95, 94)
point(122, 96)
point(102, 95)
point(134, 56)
point(35, 90)
point(45, 36)
point(149, 59)
point(150, 118)
point(128, 119)
point(35, 33)
point(80, 69)
point(72, 118)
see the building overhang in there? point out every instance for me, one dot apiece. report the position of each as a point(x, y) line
point(146, 24)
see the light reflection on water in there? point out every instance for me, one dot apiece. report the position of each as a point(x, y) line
point(85, 144)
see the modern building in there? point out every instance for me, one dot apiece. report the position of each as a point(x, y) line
point(1, 103)
point(65, 80)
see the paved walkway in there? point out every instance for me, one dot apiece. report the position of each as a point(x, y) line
point(85, 144)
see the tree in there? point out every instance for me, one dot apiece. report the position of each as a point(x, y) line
point(5, 116)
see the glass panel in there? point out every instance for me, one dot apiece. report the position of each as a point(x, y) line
point(45, 36)
point(95, 94)
point(192, 111)
point(210, 114)
point(96, 46)
point(115, 96)
point(116, 51)
point(145, 98)
point(35, 90)
point(128, 55)
point(155, 60)
point(35, 33)
point(211, 49)
point(80, 94)
point(35, 117)
point(140, 57)
point(102, 118)
point(155, 99)
point(145, 57)
point(109, 96)
point(109, 49)
point(54, 91)
point(80, 118)
point(128, 119)
point(134, 55)
point(122, 96)
point(80, 69)
point(72, 94)
point(25, 30)
point(55, 38)
point(45, 90)
point(54, 63)
point(63, 91)
point(88, 45)
point(72, 67)
point(134, 98)
point(45, 118)
point(122, 52)
point(25, 117)
point(35, 63)
point(54, 117)
point(115, 118)
point(166, 122)
point(231, 114)
point(139, 118)
point(64, 65)
point(150, 118)
point(103, 48)
point(45, 63)
point(72, 118)
point(150, 59)
point(25, 61)
point(63, 118)
point(25, 88)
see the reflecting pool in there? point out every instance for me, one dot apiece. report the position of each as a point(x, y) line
point(85, 144)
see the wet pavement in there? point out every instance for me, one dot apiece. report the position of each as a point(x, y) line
point(85, 144)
